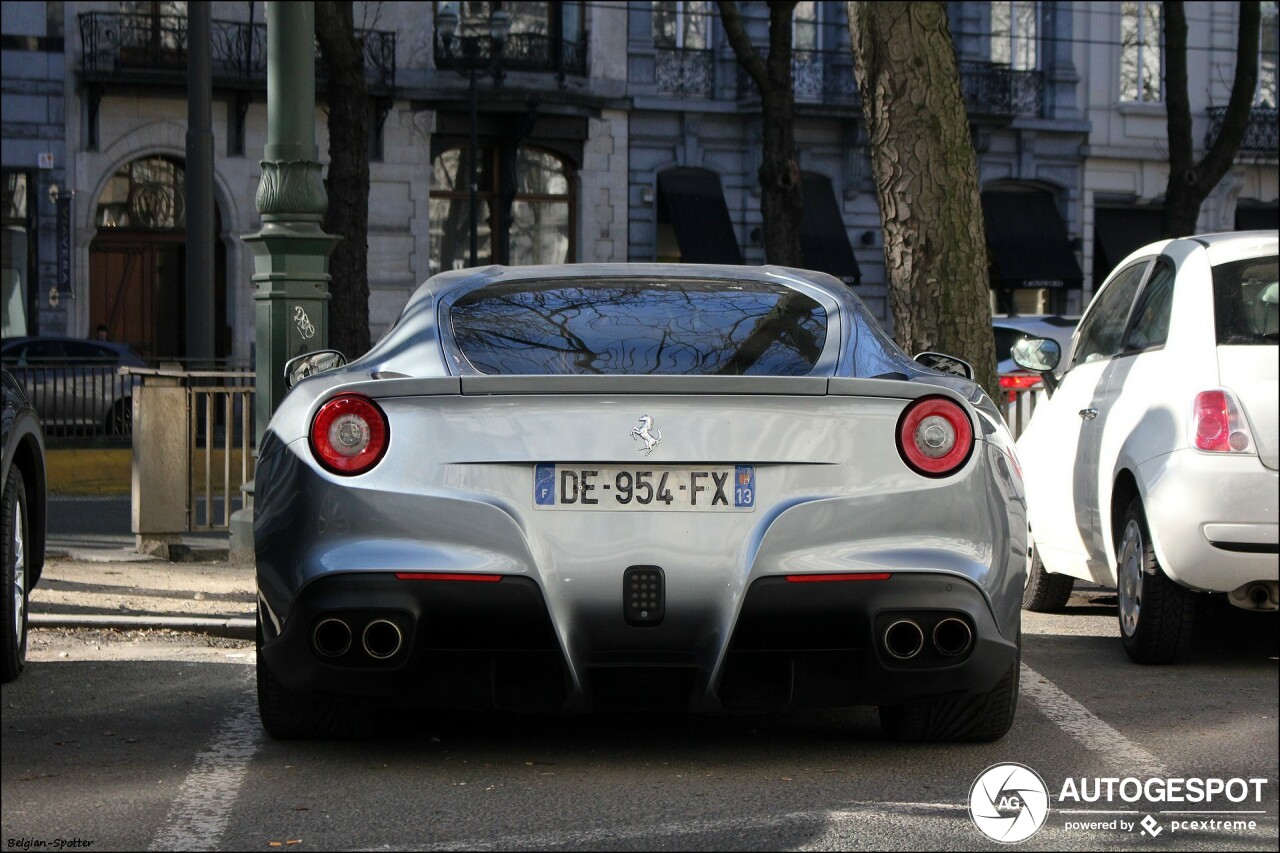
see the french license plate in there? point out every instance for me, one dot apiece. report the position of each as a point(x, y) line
point(708, 488)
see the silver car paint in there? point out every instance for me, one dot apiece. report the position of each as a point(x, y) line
point(455, 489)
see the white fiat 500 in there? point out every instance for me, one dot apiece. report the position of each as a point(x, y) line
point(1152, 465)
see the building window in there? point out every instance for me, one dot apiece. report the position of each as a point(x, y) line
point(146, 194)
point(16, 254)
point(1140, 59)
point(806, 27)
point(1268, 53)
point(682, 24)
point(536, 207)
point(1013, 34)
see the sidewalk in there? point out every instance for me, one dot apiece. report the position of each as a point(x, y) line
point(98, 580)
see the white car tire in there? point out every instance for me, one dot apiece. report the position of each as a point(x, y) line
point(1157, 616)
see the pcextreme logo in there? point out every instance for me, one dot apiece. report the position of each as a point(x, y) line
point(1009, 802)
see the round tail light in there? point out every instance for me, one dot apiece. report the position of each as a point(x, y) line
point(935, 437)
point(349, 434)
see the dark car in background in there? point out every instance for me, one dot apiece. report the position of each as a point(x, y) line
point(75, 384)
point(22, 521)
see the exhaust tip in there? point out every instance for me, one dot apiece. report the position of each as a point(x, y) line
point(331, 637)
point(382, 639)
point(952, 637)
point(1256, 595)
point(903, 639)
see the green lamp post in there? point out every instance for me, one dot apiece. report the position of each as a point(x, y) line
point(291, 251)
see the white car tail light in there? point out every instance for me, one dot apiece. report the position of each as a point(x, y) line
point(349, 434)
point(1218, 424)
point(934, 436)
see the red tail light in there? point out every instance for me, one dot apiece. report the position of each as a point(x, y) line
point(349, 434)
point(833, 577)
point(1018, 381)
point(1015, 382)
point(1217, 424)
point(935, 437)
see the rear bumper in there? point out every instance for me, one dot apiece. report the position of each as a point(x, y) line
point(1213, 518)
point(471, 645)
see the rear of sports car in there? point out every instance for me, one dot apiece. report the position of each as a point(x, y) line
point(772, 537)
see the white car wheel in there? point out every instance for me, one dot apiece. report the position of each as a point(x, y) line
point(1157, 616)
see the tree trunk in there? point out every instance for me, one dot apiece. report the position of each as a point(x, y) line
point(926, 176)
point(781, 192)
point(1189, 182)
point(348, 180)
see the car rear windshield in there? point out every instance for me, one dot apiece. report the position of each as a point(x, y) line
point(1245, 302)
point(682, 327)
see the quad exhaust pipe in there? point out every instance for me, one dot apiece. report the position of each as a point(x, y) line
point(331, 637)
point(951, 637)
point(380, 640)
point(904, 639)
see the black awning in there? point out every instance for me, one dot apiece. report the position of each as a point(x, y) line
point(1027, 240)
point(1117, 231)
point(823, 238)
point(1257, 218)
point(692, 201)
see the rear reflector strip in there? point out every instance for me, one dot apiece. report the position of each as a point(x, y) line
point(845, 576)
point(447, 576)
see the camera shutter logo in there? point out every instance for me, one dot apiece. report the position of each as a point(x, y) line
point(1009, 802)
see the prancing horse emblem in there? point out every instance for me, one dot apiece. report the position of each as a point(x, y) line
point(646, 433)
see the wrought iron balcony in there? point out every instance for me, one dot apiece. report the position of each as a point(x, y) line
point(817, 76)
point(995, 90)
point(520, 52)
point(685, 72)
point(1259, 135)
point(120, 47)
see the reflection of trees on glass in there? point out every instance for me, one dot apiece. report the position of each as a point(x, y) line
point(147, 193)
point(1013, 33)
point(536, 192)
point(640, 327)
point(1140, 51)
point(449, 210)
point(681, 24)
point(540, 209)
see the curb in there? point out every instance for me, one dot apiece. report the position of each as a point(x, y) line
point(231, 627)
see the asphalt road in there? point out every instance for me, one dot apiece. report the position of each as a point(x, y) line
point(151, 740)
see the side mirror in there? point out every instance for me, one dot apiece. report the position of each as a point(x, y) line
point(944, 363)
point(300, 367)
point(1039, 355)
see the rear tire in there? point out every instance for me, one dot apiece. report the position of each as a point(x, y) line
point(982, 718)
point(1044, 592)
point(120, 418)
point(1157, 616)
point(15, 575)
point(290, 716)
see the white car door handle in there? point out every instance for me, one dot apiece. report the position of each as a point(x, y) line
point(1089, 413)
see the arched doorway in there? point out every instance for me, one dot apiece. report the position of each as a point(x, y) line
point(137, 261)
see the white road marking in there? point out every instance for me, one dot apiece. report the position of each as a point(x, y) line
point(199, 815)
point(851, 813)
point(1089, 731)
